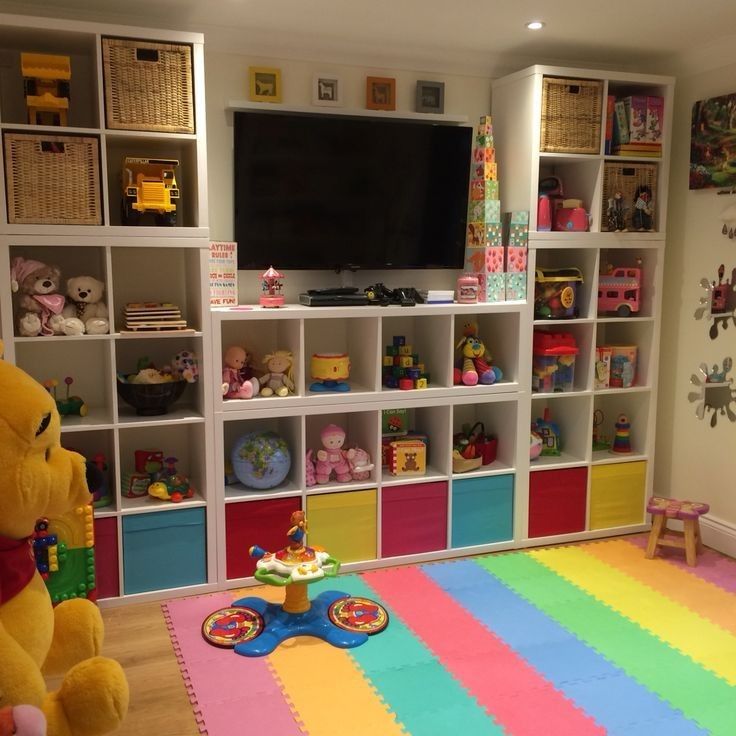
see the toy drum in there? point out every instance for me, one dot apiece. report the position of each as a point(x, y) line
point(330, 366)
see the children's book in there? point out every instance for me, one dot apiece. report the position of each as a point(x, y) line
point(621, 123)
point(610, 114)
point(407, 457)
point(655, 114)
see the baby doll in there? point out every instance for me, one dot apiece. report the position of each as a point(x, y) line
point(234, 383)
point(278, 380)
point(332, 456)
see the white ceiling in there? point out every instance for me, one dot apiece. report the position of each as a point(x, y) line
point(633, 33)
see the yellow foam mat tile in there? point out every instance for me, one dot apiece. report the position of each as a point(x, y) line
point(329, 692)
point(704, 598)
point(672, 622)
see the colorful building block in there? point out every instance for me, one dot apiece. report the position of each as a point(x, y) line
point(495, 287)
point(515, 285)
point(516, 259)
point(405, 350)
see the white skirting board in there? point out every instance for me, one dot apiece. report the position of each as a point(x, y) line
point(719, 535)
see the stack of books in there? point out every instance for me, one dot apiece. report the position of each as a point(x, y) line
point(634, 126)
point(153, 316)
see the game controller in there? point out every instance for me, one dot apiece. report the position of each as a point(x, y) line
point(406, 296)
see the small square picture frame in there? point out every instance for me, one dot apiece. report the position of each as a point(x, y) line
point(264, 84)
point(327, 90)
point(430, 97)
point(380, 93)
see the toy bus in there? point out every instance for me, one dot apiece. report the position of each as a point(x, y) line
point(619, 291)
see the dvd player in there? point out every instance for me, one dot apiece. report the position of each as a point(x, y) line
point(331, 299)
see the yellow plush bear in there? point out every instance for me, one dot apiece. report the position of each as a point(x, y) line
point(39, 478)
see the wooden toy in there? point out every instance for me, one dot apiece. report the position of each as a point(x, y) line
point(46, 87)
point(622, 440)
point(153, 316)
point(70, 405)
point(271, 286)
point(149, 185)
point(401, 366)
point(689, 512)
point(549, 431)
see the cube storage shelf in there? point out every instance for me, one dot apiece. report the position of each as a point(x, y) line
point(135, 263)
point(586, 490)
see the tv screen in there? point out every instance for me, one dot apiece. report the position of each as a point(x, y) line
point(331, 192)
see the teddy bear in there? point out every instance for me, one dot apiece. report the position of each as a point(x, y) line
point(41, 479)
point(40, 306)
point(84, 302)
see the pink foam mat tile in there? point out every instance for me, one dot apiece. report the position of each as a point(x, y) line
point(268, 715)
point(244, 677)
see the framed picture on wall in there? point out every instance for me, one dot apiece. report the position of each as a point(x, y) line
point(264, 84)
point(380, 93)
point(327, 90)
point(430, 97)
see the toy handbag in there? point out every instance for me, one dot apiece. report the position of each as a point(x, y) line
point(473, 448)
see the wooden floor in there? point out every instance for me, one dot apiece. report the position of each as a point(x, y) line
point(137, 637)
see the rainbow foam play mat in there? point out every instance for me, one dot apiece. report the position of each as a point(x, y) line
point(567, 641)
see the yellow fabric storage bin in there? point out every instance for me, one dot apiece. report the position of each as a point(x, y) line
point(344, 524)
point(617, 494)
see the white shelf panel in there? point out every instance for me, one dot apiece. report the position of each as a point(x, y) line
point(97, 418)
point(50, 129)
point(433, 475)
point(557, 463)
point(157, 335)
point(606, 457)
point(495, 468)
point(147, 504)
point(179, 415)
point(334, 487)
point(238, 493)
point(136, 135)
point(621, 391)
point(105, 512)
point(173, 237)
point(62, 338)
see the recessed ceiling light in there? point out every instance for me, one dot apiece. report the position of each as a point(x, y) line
point(535, 25)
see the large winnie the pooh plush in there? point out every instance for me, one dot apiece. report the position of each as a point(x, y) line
point(39, 478)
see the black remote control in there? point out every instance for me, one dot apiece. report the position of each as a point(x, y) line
point(335, 291)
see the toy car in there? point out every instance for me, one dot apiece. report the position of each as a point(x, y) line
point(149, 185)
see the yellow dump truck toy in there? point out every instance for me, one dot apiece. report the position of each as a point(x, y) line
point(46, 87)
point(149, 185)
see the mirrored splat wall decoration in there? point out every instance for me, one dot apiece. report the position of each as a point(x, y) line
point(718, 305)
point(715, 392)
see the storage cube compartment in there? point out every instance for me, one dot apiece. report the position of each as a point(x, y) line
point(609, 407)
point(160, 352)
point(338, 341)
point(148, 85)
point(498, 419)
point(577, 262)
point(482, 510)
point(72, 261)
point(557, 501)
point(571, 115)
point(185, 443)
point(264, 523)
point(640, 266)
point(98, 448)
point(499, 333)
point(344, 524)
point(52, 179)
point(164, 550)
point(261, 338)
point(82, 52)
point(628, 353)
point(645, 126)
point(119, 147)
point(107, 569)
point(413, 519)
point(362, 429)
point(427, 341)
point(570, 430)
point(630, 180)
point(617, 494)
point(427, 424)
point(263, 461)
point(580, 179)
point(88, 365)
point(555, 372)
point(171, 275)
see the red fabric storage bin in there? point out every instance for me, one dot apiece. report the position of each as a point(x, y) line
point(413, 518)
point(106, 558)
point(264, 523)
point(557, 501)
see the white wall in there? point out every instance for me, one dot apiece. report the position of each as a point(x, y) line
point(227, 79)
point(692, 459)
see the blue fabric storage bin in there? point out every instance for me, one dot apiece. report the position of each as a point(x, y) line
point(482, 510)
point(165, 549)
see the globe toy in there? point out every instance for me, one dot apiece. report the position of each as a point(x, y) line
point(261, 459)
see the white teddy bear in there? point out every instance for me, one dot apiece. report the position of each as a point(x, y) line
point(84, 302)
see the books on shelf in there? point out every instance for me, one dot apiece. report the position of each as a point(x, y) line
point(637, 126)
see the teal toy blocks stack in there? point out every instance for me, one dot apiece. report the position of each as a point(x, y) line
point(516, 237)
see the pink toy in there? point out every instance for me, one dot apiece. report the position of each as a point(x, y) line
point(22, 720)
point(234, 384)
point(311, 473)
point(271, 286)
point(40, 304)
point(475, 366)
point(332, 457)
point(360, 463)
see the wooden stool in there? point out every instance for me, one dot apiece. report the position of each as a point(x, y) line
point(689, 512)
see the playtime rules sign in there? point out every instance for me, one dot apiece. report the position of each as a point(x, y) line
point(223, 274)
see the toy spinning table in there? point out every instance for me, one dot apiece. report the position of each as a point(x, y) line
point(254, 627)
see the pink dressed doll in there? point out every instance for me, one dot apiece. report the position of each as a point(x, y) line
point(332, 457)
point(235, 385)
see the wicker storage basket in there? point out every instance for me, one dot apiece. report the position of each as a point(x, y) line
point(148, 86)
point(52, 179)
point(571, 115)
point(628, 178)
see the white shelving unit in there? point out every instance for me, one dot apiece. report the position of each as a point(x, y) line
point(583, 493)
point(386, 518)
point(144, 263)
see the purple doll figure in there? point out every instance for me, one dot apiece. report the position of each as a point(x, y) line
point(332, 456)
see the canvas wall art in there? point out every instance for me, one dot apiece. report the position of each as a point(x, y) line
point(713, 143)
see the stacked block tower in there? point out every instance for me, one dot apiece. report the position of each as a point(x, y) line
point(401, 366)
point(501, 271)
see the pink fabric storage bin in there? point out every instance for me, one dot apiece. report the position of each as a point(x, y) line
point(106, 558)
point(413, 518)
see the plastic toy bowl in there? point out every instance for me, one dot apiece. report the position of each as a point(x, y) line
point(151, 399)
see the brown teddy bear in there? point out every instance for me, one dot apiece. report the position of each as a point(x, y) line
point(84, 302)
point(39, 478)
